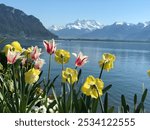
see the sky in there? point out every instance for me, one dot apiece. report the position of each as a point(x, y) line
point(61, 12)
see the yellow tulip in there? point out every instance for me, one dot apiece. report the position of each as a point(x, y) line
point(93, 87)
point(69, 75)
point(107, 61)
point(16, 45)
point(32, 76)
point(62, 56)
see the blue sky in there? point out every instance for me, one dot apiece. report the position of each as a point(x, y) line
point(60, 12)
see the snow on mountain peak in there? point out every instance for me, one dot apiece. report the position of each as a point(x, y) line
point(56, 28)
point(119, 23)
point(79, 24)
point(123, 23)
point(146, 23)
point(85, 24)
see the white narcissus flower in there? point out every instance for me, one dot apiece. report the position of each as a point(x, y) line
point(81, 59)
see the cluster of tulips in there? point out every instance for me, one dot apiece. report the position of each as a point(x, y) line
point(22, 89)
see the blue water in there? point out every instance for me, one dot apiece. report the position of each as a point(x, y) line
point(129, 75)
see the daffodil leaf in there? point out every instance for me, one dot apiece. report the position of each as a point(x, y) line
point(68, 102)
point(107, 88)
point(88, 101)
point(135, 102)
point(52, 83)
point(124, 104)
point(128, 108)
point(144, 95)
point(10, 102)
point(83, 106)
point(111, 110)
point(23, 104)
point(106, 103)
point(3, 60)
point(33, 103)
point(94, 105)
point(75, 100)
point(139, 108)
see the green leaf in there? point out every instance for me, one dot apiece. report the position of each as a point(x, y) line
point(76, 102)
point(128, 108)
point(139, 108)
point(88, 102)
point(106, 103)
point(94, 105)
point(83, 106)
point(135, 102)
point(3, 60)
point(52, 83)
point(33, 103)
point(111, 110)
point(144, 95)
point(124, 104)
point(107, 88)
point(68, 103)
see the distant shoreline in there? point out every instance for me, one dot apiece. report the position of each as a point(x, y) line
point(71, 39)
point(108, 40)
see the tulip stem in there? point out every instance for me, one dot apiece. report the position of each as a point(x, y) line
point(101, 71)
point(49, 68)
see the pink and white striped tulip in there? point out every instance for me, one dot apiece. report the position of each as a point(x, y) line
point(39, 63)
point(81, 59)
point(50, 46)
point(12, 57)
point(35, 54)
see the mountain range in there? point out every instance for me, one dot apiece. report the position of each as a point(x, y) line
point(91, 29)
point(15, 23)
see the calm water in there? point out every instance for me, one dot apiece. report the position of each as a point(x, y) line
point(130, 71)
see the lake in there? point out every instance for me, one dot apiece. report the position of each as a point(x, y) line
point(129, 75)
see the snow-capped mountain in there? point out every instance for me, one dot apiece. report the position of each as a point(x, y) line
point(84, 24)
point(121, 31)
point(56, 28)
point(80, 25)
point(77, 28)
point(95, 30)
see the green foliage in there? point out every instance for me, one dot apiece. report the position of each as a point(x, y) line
point(138, 107)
